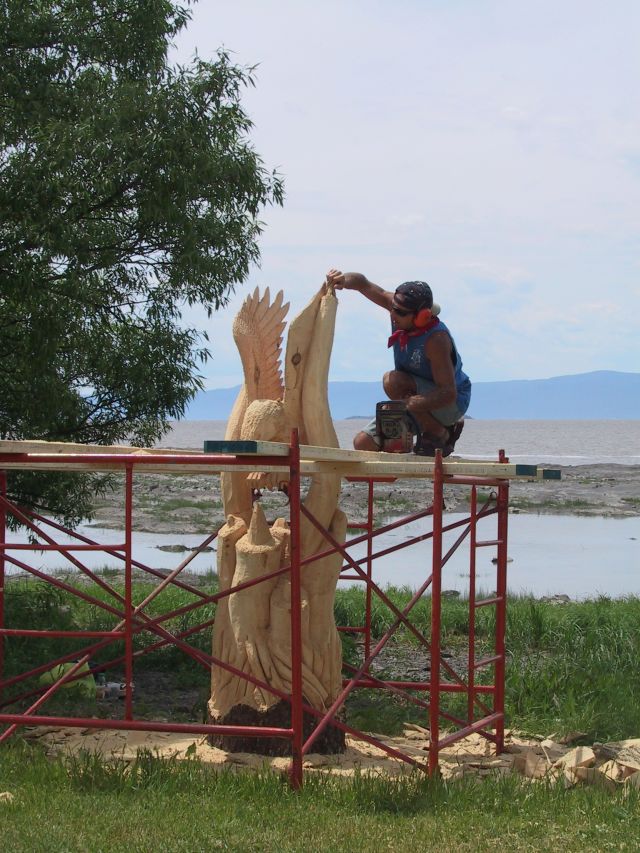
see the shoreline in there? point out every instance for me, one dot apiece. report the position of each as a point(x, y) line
point(192, 504)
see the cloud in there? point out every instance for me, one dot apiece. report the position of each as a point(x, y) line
point(490, 149)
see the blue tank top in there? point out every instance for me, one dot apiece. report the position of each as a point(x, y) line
point(413, 360)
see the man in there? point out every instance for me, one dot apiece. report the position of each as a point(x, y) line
point(428, 373)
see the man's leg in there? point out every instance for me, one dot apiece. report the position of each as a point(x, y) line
point(368, 438)
point(364, 441)
point(399, 385)
point(441, 428)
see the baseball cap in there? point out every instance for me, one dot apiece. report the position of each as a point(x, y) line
point(415, 294)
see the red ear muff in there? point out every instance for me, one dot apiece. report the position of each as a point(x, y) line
point(422, 317)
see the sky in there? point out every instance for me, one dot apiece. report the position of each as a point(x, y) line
point(488, 147)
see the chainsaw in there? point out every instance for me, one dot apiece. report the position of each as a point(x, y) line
point(395, 426)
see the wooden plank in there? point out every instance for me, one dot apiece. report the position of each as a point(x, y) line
point(341, 454)
point(406, 469)
point(32, 464)
point(307, 451)
point(400, 470)
point(314, 460)
point(311, 453)
point(32, 446)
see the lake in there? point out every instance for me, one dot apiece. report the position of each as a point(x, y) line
point(580, 557)
point(528, 442)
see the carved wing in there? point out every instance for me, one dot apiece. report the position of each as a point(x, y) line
point(299, 340)
point(257, 331)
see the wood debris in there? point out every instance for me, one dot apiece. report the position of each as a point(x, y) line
point(610, 766)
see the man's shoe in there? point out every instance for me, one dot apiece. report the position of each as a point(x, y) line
point(424, 446)
point(427, 446)
point(455, 430)
point(454, 435)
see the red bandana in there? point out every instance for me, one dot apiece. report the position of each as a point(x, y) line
point(402, 336)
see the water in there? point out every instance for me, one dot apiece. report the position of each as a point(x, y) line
point(548, 555)
point(528, 442)
point(146, 549)
point(580, 557)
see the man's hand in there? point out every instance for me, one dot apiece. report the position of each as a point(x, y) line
point(359, 282)
point(347, 280)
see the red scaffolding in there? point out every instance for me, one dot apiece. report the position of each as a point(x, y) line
point(484, 701)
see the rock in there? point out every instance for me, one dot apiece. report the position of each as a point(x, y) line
point(418, 733)
point(181, 549)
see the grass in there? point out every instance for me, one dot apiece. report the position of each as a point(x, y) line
point(91, 805)
point(397, 505)
point(482, 497)
point(575, 503)
point(569, 668)
point(184, 503)
point(42, 606)
point(573, 506)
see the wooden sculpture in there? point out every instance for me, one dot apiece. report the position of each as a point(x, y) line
point(252, 630)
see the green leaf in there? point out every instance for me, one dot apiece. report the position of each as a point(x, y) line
point(128, 188)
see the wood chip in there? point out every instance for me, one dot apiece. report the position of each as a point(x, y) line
point(633, 781)
point(593, 776)
point(530, 765)
point(580, 756)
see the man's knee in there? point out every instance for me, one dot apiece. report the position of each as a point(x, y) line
point(363, 441)
point(397, 385)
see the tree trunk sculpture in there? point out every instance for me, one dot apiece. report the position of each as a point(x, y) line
point(252, 630)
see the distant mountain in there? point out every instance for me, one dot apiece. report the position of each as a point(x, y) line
point(599, 395)
point(602, 394)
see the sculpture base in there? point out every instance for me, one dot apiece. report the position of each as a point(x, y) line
point(331, 741)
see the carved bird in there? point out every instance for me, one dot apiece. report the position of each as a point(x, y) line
point(267, 408)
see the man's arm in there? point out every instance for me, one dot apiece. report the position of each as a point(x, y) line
point(359, 282)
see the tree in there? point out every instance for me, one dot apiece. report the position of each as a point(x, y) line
point(128, 189)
